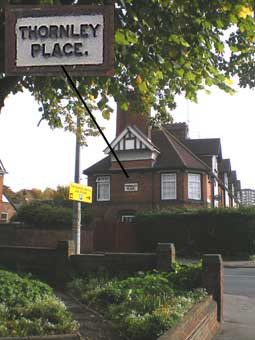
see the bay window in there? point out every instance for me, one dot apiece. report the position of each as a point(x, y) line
point(194, 186)
point(168, 186)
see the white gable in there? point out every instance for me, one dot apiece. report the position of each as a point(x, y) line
point(131, 139)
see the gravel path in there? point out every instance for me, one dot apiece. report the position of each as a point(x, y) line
point(93, 326)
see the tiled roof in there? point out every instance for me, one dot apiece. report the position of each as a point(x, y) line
point(99, 167)
point(233, 177)
point(174, 154)
point(225, 165)
point(238, 185)
point(204, 146)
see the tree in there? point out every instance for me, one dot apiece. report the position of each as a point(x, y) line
point(162, 48)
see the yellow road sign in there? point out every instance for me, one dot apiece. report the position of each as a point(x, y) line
point(79, 192)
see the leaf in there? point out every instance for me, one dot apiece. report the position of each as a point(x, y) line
point(244, 12)
point(190, 76)
point(143, 87)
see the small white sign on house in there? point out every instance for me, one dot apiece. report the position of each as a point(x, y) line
point(131, 187)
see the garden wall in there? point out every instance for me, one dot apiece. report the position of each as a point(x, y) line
point(29, 236)
point(200, 323)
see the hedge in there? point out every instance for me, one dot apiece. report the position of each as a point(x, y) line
point(50, 214)
point(229, 232)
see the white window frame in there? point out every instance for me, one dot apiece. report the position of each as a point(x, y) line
point(127, 218)
point(6, 217)
point(168, 186)
point(194, 187)
point(103, 182)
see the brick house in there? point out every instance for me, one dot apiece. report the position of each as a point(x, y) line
point(2, 173)
point(166, 169)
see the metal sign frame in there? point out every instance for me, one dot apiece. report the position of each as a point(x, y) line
point(12, 13)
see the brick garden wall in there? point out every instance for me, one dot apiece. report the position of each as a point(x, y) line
point(200, 323)
point(18, 235)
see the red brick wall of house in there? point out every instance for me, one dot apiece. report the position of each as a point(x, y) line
point(8, 208)
point(1, 193)
point(109, 233)
point(138, 164)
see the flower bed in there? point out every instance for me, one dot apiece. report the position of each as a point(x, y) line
point(143, 306)
point(29, 307)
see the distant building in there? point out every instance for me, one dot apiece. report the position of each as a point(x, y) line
point(246, 197)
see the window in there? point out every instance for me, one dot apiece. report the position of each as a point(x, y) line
point(168, 186)
point(194, 186)
point(103, 188)
point(4, 217)
point(127, 218)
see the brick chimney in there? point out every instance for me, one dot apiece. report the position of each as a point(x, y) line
point(129, 117)
point(179, 130)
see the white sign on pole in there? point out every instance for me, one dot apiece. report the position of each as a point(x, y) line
point(59, 40)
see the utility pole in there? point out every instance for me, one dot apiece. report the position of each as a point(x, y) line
point(76, 223)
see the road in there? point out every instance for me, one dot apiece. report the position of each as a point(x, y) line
point(239, 304)
point(240, 281)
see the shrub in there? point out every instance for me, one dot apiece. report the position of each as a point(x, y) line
point(29, 307)
point(49, 214)
point(145, 305)
point(225, 231)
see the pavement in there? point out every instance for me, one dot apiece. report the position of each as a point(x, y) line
point(239, 301)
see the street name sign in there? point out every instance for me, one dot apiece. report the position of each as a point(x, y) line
point(81, 193)
point(40, 39)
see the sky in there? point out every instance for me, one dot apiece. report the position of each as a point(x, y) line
point(38, 157)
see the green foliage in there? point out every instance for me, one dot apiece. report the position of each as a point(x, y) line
point(230, 232)
point(145, 305)
point(162, 49)
point(50, 214)
point(28, 307)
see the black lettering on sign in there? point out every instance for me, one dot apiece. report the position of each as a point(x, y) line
point(83, 30)
point(64, 31)
point(77, 47)
point(32, 32)
point(57, 51)
point(43, 32)
point(94, 29)
point(68, 49)
point(73, 34)
point(35, 50)
point(53, 32)
point(23, 29)
point(44, 53)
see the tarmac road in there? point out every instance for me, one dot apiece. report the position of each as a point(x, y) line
point(239, 305)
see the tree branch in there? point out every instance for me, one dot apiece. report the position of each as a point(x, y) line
point(7, 85)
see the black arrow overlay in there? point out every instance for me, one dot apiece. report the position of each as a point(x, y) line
point(94, 120)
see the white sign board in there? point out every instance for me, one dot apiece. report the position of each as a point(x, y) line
point(41, 39)
point(60, 40)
